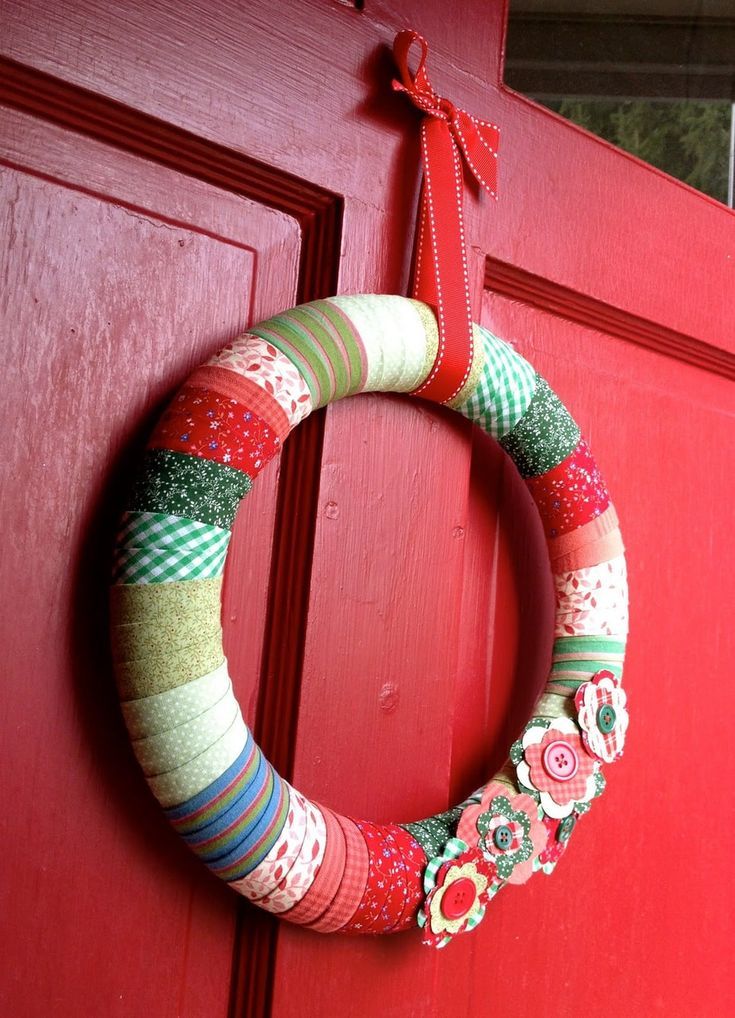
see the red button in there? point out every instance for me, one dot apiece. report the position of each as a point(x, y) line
point(458, 899)
point(560, 760)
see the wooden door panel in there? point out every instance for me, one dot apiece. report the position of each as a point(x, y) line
point(119, 277)
point(662, 434)
point(265, 137)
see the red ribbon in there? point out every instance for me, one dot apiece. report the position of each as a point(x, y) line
point(450, 138)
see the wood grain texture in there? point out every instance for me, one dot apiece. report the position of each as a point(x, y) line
point(140, 241)
point(335, 69)
point(116, 285)
point(662, 434)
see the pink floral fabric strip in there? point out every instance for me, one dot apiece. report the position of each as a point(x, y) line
point(581, 588)
point(261, 362)
point(274, 869)
point(300, 877)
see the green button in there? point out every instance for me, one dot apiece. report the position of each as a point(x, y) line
point(606, 718)
point(565, 828)
point(503, 837)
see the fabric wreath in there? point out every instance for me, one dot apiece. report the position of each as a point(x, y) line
point(602, 716)
point(458, 885)
point(291, 856)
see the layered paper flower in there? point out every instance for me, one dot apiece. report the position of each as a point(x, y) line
point(602, 715)
point(458, 885)
point(505, 826)
point(558, 833)
point(553, 766)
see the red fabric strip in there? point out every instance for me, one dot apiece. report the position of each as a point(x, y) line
point(320, 895)
point(244, 390)
point(354, 880)
point(601, 526)
point(208, 424)
point(571, 494)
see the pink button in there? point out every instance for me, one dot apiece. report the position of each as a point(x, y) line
point(560, 760)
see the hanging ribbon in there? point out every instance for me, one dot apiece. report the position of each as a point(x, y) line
point(450, 140)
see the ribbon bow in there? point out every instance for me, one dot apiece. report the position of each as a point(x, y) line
point(449, 138)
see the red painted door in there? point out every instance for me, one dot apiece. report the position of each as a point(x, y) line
point(172, 173)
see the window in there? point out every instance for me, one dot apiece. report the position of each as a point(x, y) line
point(656, 77)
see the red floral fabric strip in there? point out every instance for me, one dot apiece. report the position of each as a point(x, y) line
point(244, 390)
point(207, 424)
point(571, 494)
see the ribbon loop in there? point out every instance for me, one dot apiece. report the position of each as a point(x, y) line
point(450, 139)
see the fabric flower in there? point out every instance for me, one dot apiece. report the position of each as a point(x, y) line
point(458, 885)
point(602, 715)
point(558, 833)
point(506, 828)
point(553, 766)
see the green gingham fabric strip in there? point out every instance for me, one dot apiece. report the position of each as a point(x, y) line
point(158, 529)
point(176, 484)
point(169, 564)
point(544, 436)
point(158, 548)
point(504, 391)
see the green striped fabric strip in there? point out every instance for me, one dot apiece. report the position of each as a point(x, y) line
point(601, 645)
point(504, 391)
point(354, 350)
point(318, 339)
point(575, 659)
point(317, 330)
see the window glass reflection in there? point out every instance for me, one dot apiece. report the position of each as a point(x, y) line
point(656, 77)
